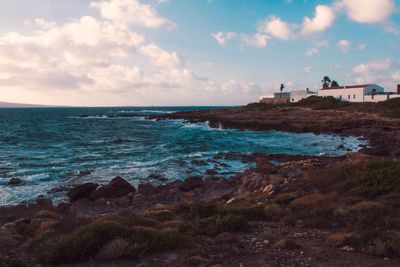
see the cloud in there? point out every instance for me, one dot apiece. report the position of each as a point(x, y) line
point(276, 27)
point(396, 76)
point(223, 37)
point(312, 52)
point(377, 71)
point(373, 66)
point(371, 11)
point(323, 19)
point(344, 45)
point(361, 47)
point(131, 12)
point(257, 40)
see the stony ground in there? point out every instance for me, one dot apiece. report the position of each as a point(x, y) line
point(305, 211)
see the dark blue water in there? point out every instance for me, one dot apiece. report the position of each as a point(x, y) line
point(52, 147)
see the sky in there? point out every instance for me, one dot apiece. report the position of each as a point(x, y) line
point(191, 52)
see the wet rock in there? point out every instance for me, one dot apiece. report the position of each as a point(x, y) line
point(81, 191)
point(199, 162)
point(191, 183)
point(157, 177)
point(276, 179)
point(15, 181)
point(84, 173)
point(118, 187)
point(211, 172)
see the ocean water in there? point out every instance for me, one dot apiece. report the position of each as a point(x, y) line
point(52, 147)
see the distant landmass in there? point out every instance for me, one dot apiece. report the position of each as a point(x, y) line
point(19, 105)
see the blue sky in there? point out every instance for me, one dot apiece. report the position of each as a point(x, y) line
point(191, 52)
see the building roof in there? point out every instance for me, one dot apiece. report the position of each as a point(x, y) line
point(346, 87)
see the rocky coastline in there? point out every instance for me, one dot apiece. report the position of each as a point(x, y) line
point(286, 211)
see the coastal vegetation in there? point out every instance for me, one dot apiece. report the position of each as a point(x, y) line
point(388, 108)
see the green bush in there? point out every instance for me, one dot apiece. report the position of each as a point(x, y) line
point(374, 179)
point(222, 223)
point(100, 236)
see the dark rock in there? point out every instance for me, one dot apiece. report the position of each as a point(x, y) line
point(63, 207)
point(147, 189)
point(84, 173)
point(44, 204)
point(118, 187)
point(199, 162)
point(14, 181)
point(157, 177)
point(211, 172)
point(81, 191)
point(191, 183)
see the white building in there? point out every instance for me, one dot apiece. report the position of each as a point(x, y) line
point(296, 96)
point(358, 93)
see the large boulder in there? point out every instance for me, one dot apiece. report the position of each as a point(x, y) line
point(118, 187)
point(81, 191)
point(191, 183)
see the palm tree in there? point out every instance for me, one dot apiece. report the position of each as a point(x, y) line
point(326, 82)
point(334, 83)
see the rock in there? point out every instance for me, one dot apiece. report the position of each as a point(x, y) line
point(230, 200)
point(123, 201)
point(287, 244)
point(15, 181)
point(276, 179)
point(81, 191)
point(118, 187)
point(269, 189)
point(347, 248)
point(84, 173)
point(211, 172)
point(147, 189)
point(265, 167)
point(191, 183)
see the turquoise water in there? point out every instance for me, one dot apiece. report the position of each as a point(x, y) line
point(52, 147)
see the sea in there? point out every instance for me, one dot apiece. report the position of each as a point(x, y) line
point(52, 148)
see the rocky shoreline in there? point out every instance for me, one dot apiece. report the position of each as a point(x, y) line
point(299, 211)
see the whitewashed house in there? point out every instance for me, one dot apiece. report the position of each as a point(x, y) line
point(296, 96)
point(358, 93)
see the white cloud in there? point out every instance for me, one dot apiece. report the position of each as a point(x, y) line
point(375, 71)
point(276, 27)
point(323, 19)
point(367, 11)
point(307, 69)
point(344, 45)
point(361, 47)
point(223, 37)
point(131, 12)
point(396, 76)
point(373, 66)
point(257, 40)
point(312, 52)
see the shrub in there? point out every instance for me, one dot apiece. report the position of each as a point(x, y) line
point(388, 244)
point(222, 223)
point(373, 179)
point(365, 213)
point(113, 250)
point(274, 212)
point(81, 244)
point(108, 239)
point(322, 103)
point(339, 239)
point(308, 201)
point(285, 198)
